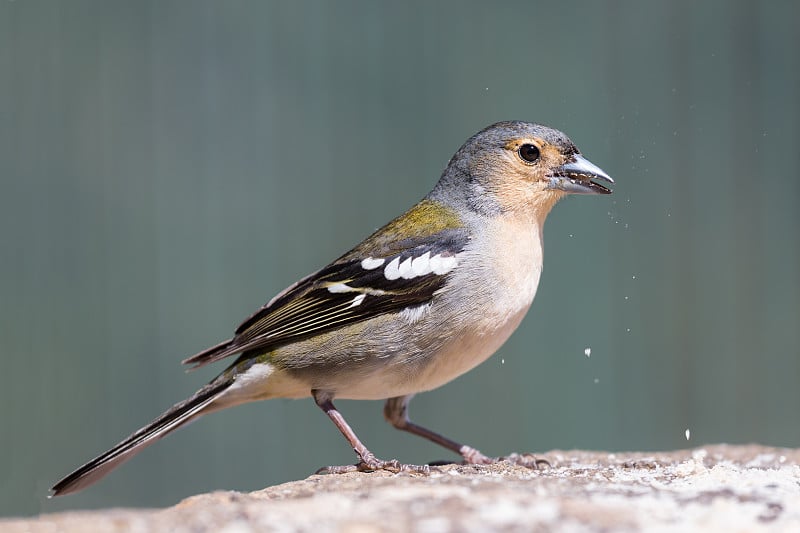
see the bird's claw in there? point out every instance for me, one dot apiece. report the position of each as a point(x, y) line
point(370, 463)
point(528, 460)
point(342, 469)
point(474, 457)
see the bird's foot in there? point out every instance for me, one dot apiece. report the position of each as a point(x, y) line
point(475, 457)
point(370, 463)
point(528, 460)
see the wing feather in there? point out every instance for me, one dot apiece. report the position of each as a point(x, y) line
point(311, 307)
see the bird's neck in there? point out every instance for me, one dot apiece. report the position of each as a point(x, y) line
point(514, 254)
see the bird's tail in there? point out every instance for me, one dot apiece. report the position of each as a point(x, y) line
point(178, 415)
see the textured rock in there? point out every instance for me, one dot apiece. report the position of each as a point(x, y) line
point(715, 488)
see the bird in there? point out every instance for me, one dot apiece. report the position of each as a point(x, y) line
point(422, 300)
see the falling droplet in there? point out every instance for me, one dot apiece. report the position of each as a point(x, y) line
point(587, 352)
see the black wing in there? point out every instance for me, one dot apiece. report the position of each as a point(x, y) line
point(349, 290)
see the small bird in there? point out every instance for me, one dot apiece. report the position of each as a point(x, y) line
point(422, 300)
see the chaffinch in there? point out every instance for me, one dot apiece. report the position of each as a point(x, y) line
point(422, 300)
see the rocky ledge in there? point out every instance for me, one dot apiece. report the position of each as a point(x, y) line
point(714, 488)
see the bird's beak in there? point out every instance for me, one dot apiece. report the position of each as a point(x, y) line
point(576, 175)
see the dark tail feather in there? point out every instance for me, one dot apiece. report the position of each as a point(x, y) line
point(180, 414)
point(210, 355)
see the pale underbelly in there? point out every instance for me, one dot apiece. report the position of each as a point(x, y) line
point(462, 354)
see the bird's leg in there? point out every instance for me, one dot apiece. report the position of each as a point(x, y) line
point(396, 413)
point(367, 462)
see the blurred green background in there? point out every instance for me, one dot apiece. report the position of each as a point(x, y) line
point(168, 166)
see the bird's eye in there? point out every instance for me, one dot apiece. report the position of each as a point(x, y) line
point(529, 152)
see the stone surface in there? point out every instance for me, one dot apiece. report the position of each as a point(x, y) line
point(714, 488)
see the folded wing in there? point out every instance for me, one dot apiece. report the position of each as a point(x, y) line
point(348, 290)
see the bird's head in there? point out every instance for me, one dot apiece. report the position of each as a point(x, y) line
point(519, 167)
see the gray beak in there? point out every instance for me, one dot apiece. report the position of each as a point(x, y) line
point(575, 176)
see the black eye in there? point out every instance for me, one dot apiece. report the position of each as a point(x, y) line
point(529, 152)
